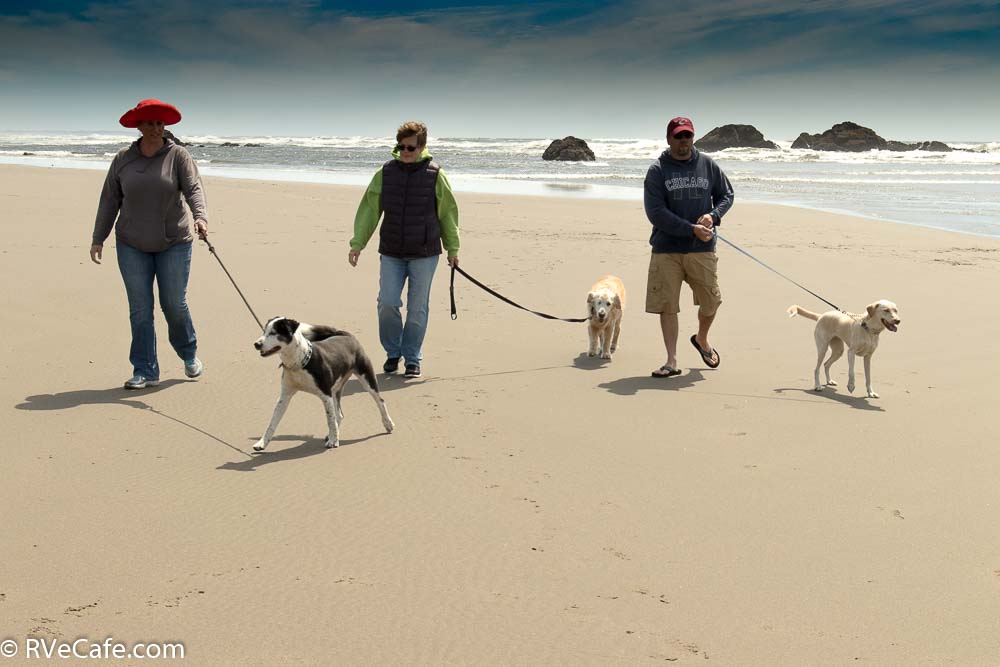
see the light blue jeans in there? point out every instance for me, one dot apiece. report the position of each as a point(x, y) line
point(170, 269)
point(397, 339)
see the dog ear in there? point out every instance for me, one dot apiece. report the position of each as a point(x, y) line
point(872, 307)
point(618, 301)
point(285, 328)
point(591, 297)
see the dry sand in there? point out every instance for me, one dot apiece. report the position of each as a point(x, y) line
point(533, 506)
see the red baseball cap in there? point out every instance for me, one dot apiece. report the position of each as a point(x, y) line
point(151, 110)
point(679, 124)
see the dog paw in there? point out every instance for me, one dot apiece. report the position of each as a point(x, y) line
point(259, 445)
point(872, 394)
point(331, 444)
point(388, 425)
point(606, 355)
point(850, 386)
point(592, 353)
point(831, 383)
point(818, 387)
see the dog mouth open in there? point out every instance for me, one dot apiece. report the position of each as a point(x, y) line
point(891, 326)
point(268, 353)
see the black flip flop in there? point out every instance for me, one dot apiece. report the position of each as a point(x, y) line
point(665, 371)
point(706, 356)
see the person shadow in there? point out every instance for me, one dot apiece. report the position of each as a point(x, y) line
point(831, 394)
point(68, 400)
point(308, 446)
point(74, 399)
point(633, 385)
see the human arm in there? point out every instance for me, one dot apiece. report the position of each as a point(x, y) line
point(447, 210)
point(722, 194)
point(367, 217)
point(107, 211)
point(189, 181)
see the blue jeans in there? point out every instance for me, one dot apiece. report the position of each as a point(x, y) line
point(397, 339)
point(171, 269)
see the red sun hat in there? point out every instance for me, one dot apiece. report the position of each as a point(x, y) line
point(151, 110)
point(680, 124)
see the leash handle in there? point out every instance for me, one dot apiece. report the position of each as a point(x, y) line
point(739, 249)
point(454, 311)
point(211, 249)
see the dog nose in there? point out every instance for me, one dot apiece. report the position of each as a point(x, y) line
point(257, 345)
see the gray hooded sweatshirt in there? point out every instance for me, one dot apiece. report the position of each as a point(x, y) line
point(147, 195)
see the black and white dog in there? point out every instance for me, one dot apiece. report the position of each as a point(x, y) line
point(320, 360)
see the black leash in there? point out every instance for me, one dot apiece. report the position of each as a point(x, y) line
point(721, 237)
point(454, 310)
point(211, 249)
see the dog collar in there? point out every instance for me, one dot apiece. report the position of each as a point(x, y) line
point(309, 354)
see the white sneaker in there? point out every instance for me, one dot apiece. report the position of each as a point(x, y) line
point(194, 368)
point(139, 382)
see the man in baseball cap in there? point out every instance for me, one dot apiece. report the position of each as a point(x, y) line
point(685, 196)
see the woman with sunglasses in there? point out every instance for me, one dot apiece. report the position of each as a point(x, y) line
point(143, 199)
point(420, 215)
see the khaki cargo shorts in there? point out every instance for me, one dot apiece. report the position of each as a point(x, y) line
point(667, 271)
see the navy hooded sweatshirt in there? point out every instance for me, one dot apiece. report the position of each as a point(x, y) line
point(677, 193)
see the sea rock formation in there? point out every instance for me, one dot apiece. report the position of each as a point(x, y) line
point(733, 136)
point(932, 146)
point(846, 136)
point(167, 134)
point(569, 148)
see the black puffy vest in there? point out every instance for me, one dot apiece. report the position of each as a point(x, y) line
point(410, 227)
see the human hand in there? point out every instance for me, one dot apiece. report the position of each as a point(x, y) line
point(703, 233)
point(96, 252)
point(352, 257)
point(201, 228)
point(706, 221)
point(453, 262)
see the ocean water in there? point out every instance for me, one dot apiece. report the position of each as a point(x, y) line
point(957, 191)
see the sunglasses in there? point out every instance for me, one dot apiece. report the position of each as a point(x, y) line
point(408, 149)
point(684, 135)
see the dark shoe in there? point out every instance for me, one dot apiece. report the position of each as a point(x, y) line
point(665, 371)
point(391, 365)
point(412, 371)
point(706, 356)
point(139, 382)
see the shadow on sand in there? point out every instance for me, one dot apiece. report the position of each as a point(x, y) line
point(115, 396)
point(309, 446)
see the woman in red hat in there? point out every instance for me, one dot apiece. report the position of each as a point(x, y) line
point(143, 199)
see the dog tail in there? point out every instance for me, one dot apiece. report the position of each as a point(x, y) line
point(317, 332)
point(799, 310)
point(363, 367)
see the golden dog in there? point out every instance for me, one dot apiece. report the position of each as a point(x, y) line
point(859, 333)
point(606, 305)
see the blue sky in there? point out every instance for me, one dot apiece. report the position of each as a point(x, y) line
point(928, 70)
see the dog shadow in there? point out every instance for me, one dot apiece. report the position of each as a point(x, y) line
point(308, 446)
point(633, 385)
point(585, 362)
point(74, 399)
point(830, 394)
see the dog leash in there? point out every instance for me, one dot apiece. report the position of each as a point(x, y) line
point(454, 310)
point(211, 249)
point(736, 247)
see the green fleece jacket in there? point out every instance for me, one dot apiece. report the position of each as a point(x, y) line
point(370, 211)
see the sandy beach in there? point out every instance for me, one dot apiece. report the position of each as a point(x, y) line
point(533, 506)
